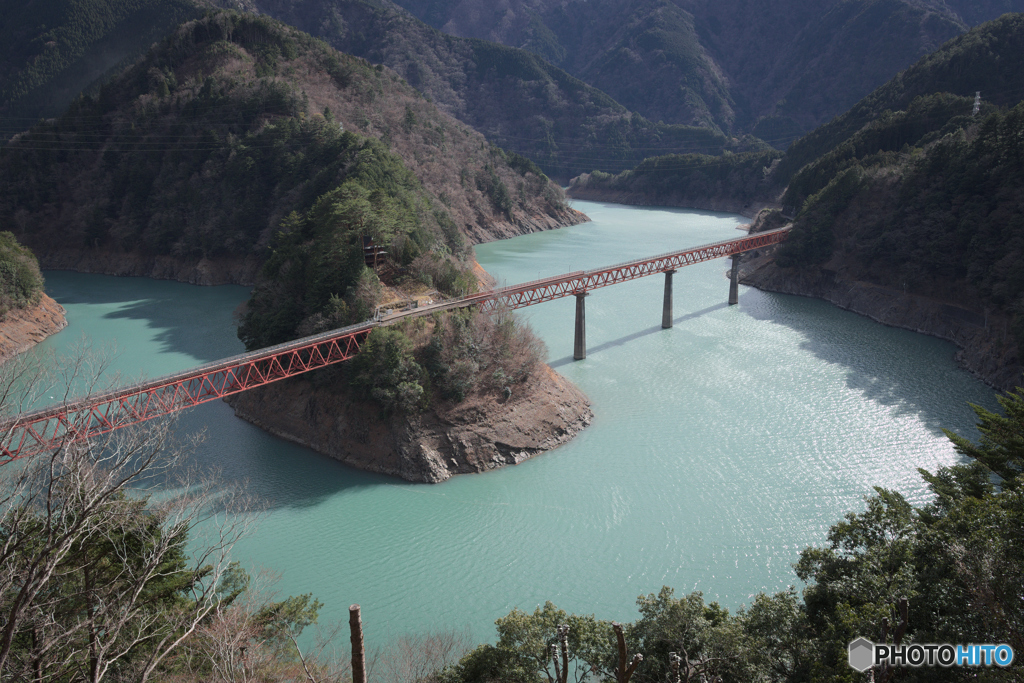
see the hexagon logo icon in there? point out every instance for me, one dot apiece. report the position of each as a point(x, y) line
point(862, 654)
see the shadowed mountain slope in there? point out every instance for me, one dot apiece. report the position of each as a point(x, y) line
point(986, 59)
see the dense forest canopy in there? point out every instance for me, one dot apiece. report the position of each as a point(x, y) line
point(51, 51)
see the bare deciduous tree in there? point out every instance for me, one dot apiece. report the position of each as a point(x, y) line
point(626, 666)
point(414, 658)
point(241, 640)
point(96, 578)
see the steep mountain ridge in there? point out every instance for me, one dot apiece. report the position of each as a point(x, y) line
point(774, 68)
point(649, 56)
point(512, 96)
point(982, 60)
point(916, 107)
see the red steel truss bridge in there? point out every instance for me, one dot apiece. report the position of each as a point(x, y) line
point(547, 289)
point(49, 428)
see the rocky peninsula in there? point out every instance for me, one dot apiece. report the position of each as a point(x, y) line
point(484, 431)
point(481, 433)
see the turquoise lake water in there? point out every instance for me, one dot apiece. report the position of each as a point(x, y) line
point(719, 448)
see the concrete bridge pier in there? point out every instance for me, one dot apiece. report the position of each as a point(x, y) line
point(734, 281)
point(579, 349)
point(666, 311)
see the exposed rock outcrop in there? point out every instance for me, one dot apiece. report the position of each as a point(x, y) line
point(24, 328)
point(987, 348)
point(523, 223)
point(483, 432)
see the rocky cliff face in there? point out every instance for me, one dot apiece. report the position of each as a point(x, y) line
point(482, 433)
point(24, 328)
point(986, 347)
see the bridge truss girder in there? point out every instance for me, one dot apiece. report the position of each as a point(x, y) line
point(51, 428)
point(548, 289)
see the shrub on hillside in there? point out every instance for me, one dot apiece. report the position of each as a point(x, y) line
point(444, 272)
point(477, 351)
point(21, 283)
point(386, 371)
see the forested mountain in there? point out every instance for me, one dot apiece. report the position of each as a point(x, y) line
point(917, 141)
point(985, 60)
point(914, 192)
point(773, 67)
point(943, 217)
point(512, 96)
point(239, 137)
point(51, 51)
point(918, 106)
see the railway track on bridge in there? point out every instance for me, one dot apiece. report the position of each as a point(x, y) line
point(101, 413)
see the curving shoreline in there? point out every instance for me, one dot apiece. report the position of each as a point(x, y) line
point(985, 346)
point(482, 433)
point(724, 204)
point(245, 270)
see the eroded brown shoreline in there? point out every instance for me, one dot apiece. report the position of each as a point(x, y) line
point(24, 328)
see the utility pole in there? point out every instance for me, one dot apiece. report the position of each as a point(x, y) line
point(358, 650)
point(977, 103)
